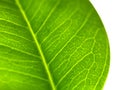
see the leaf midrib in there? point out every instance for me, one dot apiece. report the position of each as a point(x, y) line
point(37, 45)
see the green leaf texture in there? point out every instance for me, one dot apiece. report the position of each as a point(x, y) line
point(52, 45)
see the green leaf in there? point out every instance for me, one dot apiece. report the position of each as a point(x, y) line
point(52, 45)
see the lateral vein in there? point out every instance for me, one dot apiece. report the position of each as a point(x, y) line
point(38, 45)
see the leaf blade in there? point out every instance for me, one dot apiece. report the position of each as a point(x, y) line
point(69, 53)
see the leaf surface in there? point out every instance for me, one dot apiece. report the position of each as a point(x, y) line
point(52, 45)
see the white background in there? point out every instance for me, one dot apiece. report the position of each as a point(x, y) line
point(109, 11)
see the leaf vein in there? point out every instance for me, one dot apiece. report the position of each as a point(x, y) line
point(13, 34)
point(9, 21)
point(72, 68)
point(58, 26)
point(13, 48)
point(85, 21)
point(23, 73)
point(37, 45)
point(48, 16)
